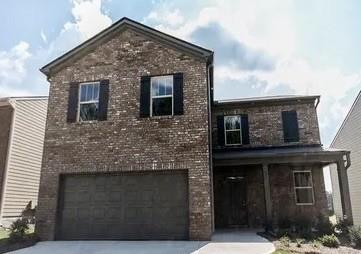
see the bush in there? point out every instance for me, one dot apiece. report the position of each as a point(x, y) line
point(299, 242)
point(330, 241)
point(18, 230)
point(303, 226)
point(342, 227)
point(355, 236)
point(285, 241)
point(324, 225)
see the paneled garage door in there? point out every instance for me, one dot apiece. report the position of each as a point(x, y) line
point(127, 206)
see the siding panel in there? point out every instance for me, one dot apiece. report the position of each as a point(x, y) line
point(349, 137)
point(23, 175)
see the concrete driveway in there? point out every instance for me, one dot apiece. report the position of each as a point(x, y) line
point(225, 242)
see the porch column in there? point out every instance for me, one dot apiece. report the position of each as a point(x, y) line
point(267, 195)
point(344, 191)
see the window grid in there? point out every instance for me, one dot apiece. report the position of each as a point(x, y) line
point(303, 187)
point(158, 78)
point(91, 101)
point(233, 130)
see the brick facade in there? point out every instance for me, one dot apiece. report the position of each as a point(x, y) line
point(126, 142)
point(265, 122)
point(283, 193)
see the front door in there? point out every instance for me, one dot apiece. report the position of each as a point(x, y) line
point(230, 201)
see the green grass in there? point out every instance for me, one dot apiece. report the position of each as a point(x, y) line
point(279, 251)
point(4, 233)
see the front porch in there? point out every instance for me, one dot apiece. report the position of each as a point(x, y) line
point(259, 187)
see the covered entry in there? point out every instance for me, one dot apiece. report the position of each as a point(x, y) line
point(128, 206)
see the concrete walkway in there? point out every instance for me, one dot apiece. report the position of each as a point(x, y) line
point(225, 242)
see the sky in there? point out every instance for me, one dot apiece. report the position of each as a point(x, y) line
point(262, 47)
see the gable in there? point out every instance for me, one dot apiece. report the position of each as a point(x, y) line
point(122, 25)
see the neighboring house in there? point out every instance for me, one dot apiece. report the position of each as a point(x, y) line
point(22, 129)
point(136, 148)
point(349, 137)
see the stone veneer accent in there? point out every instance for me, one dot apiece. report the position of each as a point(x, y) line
point(126, 142)
point(265, 122)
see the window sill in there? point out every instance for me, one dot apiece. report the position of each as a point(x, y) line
point(161, 117)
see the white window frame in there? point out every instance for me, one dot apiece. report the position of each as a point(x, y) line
point(233, 130)
point(160, 96)
point(303, 187)
point(86, 102)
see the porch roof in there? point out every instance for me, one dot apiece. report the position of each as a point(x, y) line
point(280, 155)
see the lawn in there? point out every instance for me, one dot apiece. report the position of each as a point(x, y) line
point(4, 233)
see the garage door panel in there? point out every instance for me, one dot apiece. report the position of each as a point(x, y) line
point(128, 206)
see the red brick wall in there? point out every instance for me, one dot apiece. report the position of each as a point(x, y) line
point(125, 141)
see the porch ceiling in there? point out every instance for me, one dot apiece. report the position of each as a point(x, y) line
point(279, 155)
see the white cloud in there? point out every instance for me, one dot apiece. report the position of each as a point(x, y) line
point(269, 27)
point(19, 69)
point(43, 36)
point(89, 18)
point(12, 68)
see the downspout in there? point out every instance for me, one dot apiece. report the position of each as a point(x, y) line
point(210, 103)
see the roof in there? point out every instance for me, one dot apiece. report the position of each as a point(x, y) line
point(128, 23)
point(287, 154)
point(270, 99)
point(6, 101)
point(347, 117)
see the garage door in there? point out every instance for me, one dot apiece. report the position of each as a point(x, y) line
point(128, 206)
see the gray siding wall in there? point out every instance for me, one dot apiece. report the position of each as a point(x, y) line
point(24, 163)
point(349, 138)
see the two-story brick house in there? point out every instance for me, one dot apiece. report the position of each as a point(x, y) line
point(135, 147)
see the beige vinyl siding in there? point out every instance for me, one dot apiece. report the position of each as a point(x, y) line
point(25, 156)
point(349, 138)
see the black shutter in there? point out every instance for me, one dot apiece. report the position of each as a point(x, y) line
point(73, 102)
point(290, 126)
point(103, 100)
point(178, 93)
point(145, 96)
point(245, 129)
point(220, 130)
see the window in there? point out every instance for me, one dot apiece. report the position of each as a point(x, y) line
point(161, 96)
point(290, 126)
point(88, 101)
point(232, 129)
point(303, 187)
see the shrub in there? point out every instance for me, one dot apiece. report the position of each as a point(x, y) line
point(316, 244)
point(330, 241)
point(303, 226)
point(18, 230)
point(355, 236)
point(342, 227)
point(299, 242)
point(29, 213)
point(285, 241)
point(324, 225)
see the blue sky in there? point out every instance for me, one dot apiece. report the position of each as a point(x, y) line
point(267, 47)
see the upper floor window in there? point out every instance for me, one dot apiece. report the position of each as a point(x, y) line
point(290, 126)
point(233, 130)
point(88, 101)
point(161, 96)
point(303, 187)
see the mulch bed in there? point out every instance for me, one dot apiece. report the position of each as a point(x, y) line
point(309, 248)
point(6, 246)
